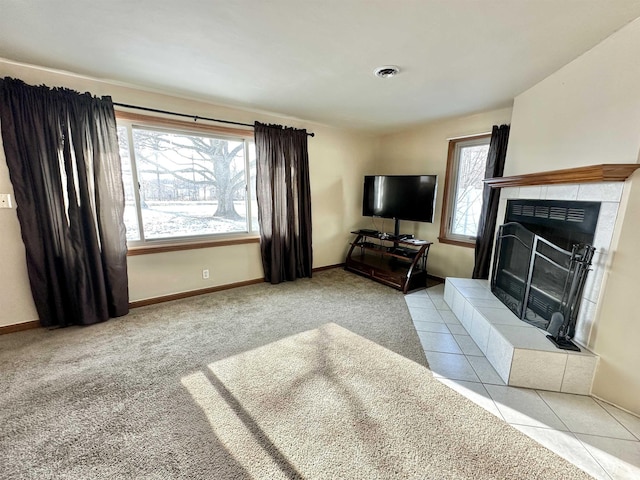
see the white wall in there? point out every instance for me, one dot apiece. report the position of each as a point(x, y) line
point(16, 304)
point(589, 113)
point(338, 160)
point(423, 150)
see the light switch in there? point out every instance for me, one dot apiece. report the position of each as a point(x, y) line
point(5, 200)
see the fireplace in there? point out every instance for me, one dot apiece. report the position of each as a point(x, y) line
point(520, 353)
point(605, 183)
point(542, 256)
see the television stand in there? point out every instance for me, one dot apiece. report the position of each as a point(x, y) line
point(401, 264)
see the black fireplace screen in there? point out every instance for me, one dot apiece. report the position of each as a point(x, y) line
point(535, 278)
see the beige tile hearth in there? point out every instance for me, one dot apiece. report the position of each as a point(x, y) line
point(597, 437)
point(521, 354)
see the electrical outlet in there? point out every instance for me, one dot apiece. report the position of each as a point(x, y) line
point(205, 273)
point(5, 200)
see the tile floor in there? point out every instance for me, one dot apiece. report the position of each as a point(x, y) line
point(599, 438)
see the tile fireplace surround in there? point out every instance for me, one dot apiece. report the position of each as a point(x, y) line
point(519, 352)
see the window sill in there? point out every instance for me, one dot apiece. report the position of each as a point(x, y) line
point(458, 243)
point(176, 247)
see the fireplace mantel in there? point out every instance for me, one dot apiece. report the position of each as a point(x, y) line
point(610, 172)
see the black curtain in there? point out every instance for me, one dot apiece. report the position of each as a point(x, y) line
point(284, 202)
point(490, 198)
point(62, 152)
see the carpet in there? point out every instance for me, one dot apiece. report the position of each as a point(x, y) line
point(330, 404)
point(212, 387)
point(106, 401)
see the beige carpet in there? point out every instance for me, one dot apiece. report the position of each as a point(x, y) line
point(330, 404)
point(134, 398)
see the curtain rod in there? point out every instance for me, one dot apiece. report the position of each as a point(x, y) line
point(195, 117)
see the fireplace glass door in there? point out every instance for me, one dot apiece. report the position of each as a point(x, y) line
point(535, 278)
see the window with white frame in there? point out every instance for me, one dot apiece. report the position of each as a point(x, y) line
point(462, 204)
point(183, 185)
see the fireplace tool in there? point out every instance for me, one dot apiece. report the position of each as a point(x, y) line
point(562, 324)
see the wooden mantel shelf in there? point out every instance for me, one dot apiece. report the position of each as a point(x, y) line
point(611, 172)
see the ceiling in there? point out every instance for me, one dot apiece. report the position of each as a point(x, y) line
point(314, 59)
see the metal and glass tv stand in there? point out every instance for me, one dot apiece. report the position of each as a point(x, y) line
point(394, 260)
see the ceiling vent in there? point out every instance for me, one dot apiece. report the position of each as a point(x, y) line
point(386, 71)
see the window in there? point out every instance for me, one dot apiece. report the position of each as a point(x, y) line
point(184, 185)
point(463, 188)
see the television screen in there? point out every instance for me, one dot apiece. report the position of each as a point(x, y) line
point(403, 197)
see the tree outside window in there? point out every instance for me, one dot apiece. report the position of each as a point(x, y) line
point(181, 184)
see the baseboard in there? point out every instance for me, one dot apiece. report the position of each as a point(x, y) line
point(433, 277)
point(192, 293)
point(328, 267)
point(615, 405)
point(219, 288)
point(19, 327)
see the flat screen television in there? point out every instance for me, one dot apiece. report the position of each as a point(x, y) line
point(401, 197)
